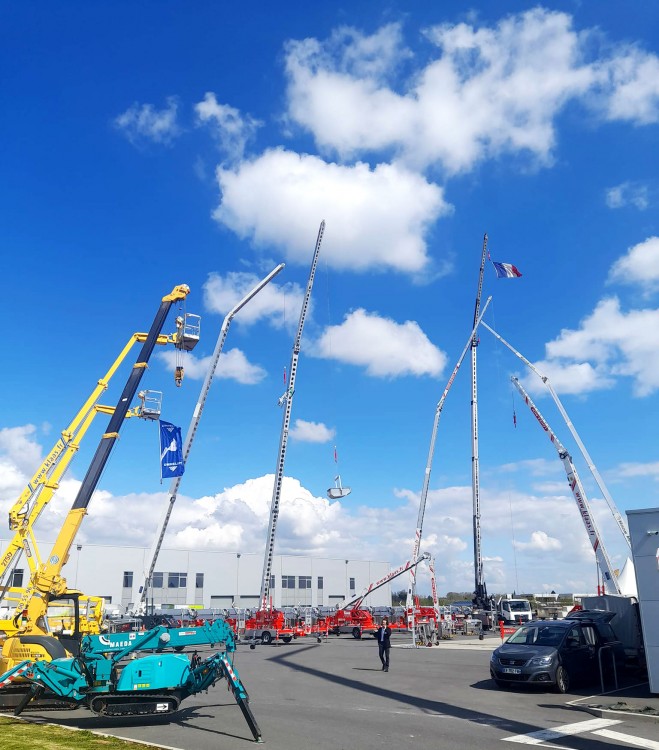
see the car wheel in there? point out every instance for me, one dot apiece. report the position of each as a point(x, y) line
point(562, 680)
point(266, 638)
point(356, 633)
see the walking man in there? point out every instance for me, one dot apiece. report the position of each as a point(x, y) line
point(384, 643)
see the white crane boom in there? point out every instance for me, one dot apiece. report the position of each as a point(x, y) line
point(587, 517)
point(591, 465)
point(287, 402)
point(141, 598)
point(431, 453)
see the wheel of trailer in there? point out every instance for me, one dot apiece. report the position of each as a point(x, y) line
point(356, 633)
point(287, 638)
point(266, 638)
point(562, 679)
point(179, 648)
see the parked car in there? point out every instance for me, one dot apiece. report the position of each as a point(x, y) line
point(558, 653)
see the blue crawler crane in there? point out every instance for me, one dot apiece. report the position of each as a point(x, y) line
point(111, 679)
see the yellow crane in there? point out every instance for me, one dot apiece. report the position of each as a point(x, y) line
point(39, 491)
point(34, 639)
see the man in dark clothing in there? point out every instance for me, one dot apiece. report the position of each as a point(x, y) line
point(384, 643)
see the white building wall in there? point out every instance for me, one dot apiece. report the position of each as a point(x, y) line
point(644, 532)
point(228, 577)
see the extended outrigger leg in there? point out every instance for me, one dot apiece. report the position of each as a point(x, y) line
point(242, 699)
point(34, 692)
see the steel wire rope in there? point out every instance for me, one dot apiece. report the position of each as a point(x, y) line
point(331, 357)
point(512, 393)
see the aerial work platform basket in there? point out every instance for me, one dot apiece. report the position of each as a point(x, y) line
point(151, 404)
point(338, 491)
point(188, 329)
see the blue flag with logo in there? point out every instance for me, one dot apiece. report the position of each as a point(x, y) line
point(171, 451)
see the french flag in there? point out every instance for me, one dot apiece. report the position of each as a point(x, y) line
point(506, 270)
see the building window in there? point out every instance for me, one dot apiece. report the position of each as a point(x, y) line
point(352, 584)
point(272, 582)
point(17, 577)
point(199, 581)
point(304, 582)
point(320, 583)
point(177, 580)
point(288, 582)
point(157, 580)
point(128, 579)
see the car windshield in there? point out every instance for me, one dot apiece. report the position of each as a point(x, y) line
point(546, 635)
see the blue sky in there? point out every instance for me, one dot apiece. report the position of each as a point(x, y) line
point(148, 145)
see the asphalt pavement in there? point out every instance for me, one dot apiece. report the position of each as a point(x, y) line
point(333, 695)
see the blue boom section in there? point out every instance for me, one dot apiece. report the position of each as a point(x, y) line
point(108, 678)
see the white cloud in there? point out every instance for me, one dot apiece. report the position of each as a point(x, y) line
point(639, 470)
point(236, 518)
point(618, 344)
point(377, 218)
point(633, 87)
point(145, 123)
point(311, 432)
point(277, 304)
point(628, 193)
point(232, 130)
point(639, 266)
point(20, 447)
point(487, 91)
point(385, 348)
point(539, 542)
point(232, 365)
point(569, 377)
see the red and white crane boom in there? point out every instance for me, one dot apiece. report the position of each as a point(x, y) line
point(591, 465)
point(431, 454)
point(287, 402)
point(356, 600)
point(579, 494)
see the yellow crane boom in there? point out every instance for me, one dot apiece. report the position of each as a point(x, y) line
point(46, 583)
point(42, 486)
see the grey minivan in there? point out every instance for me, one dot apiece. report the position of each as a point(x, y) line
point(558, 653)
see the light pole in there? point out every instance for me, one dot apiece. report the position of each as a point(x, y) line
point(75, 579)
point(237, 596)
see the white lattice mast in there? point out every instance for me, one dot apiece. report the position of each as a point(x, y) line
point(287, 402)
point(480, 590)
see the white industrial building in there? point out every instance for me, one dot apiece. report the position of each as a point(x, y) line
point(644, 532)
point(209, 579)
